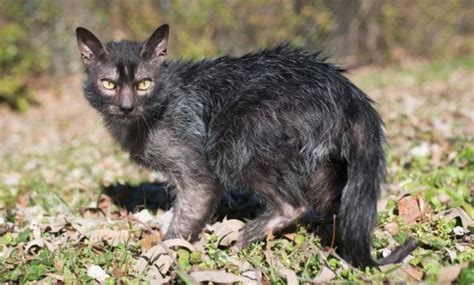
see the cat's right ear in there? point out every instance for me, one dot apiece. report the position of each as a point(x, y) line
point(92, 50)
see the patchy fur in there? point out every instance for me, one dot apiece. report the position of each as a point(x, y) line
point(281, 122)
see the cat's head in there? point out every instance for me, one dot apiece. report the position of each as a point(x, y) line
point(122, 76)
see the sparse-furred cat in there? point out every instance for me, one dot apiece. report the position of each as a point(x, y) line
point(280, 122)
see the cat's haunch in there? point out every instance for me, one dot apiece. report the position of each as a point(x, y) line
point(280, 122)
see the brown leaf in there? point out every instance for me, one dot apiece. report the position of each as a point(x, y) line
point(177, 242)
point(409, 209)
point(218, 277)
point(324, 276)
point(227, 231)
point(56, 277)
point(414, 272)
point(290, 236)
point(58, 265)
point(149, 241)
point(112, 237)
point(92, 213)
point(36, 243)
point(289, 275)
point(23, 200)
point(156, 262)
point(466, 221)
point(450, 273)
point(150, 257)
point(392, 228)
point(105, 202)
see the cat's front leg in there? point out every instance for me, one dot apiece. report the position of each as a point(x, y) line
point(196, 190)
point(196, 199)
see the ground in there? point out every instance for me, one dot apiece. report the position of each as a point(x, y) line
point(72, 207)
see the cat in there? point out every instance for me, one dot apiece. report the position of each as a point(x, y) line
point(280, 122)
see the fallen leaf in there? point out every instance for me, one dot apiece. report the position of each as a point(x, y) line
point(227, 231)
point(324, 276)
point(143, 216)
point(92, 213)
point(392, 228)
point(177, 242)
point(414, 272)
point(217, 277)
point(289, 275)
point(97, 273)
point(105, 202)
point(450, 273)
point(36, 243)
point(421, 150)
point(150, 257)
point(23, 200)
point(149, 241)
point(443, 199)
point(466, 221)
point(409, 209)
point(56, 276)
point(112, 237)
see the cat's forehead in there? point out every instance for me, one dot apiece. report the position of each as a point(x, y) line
point(123, 51)
point(124, 61)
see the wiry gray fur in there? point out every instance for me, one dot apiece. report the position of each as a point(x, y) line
point(280, 122)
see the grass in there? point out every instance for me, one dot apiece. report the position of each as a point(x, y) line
point(55, 163)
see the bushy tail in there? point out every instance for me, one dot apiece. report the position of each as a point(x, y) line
point(365, 173)
point(358, 209)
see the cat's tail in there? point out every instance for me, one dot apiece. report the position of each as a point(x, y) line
point(365, 173)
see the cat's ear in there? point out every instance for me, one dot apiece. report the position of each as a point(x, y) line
point(155, 48)
point(92, 50)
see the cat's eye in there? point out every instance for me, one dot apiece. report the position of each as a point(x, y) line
point(108, 84)
point(144, 84)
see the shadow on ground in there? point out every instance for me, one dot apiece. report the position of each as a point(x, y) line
point(238, 204)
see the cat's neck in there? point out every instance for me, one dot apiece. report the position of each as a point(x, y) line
point(130, 135)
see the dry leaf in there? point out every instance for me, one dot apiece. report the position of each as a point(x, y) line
point(92, 213)
point(227, 231)
point(450, 273)
point(56, 276)
point(217, 277)
point(143, 216)
point(289, 275)
point(97, 273)
point(36, 243)
point(325, 275)
point(413, 272)
point(112, 237)
point(156, 261)
point(177, 242)
point(392, 228)
point(409, 209)
point(466, 221)
point(149, 241)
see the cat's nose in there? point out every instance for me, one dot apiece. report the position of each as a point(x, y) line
point(126, 108)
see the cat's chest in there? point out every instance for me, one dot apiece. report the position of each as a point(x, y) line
point(158, 148)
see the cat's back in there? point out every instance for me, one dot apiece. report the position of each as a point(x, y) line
point(283, 63)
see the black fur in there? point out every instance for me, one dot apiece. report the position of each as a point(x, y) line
point(280, 122)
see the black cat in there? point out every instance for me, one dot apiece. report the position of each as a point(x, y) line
point(280, 122)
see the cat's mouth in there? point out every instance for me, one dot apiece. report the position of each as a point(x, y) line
point(123, 117)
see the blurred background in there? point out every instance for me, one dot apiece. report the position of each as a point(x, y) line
point(37, 37)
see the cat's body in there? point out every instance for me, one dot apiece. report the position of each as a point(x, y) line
point(279, 122)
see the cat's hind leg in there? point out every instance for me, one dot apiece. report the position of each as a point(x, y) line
point(278, 215)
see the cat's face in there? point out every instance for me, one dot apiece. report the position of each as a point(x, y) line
point(122, 76)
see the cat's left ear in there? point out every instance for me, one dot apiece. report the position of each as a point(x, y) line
point(92, 50)
point(155, 48)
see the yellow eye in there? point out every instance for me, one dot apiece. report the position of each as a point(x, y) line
point(144, 84)
point(108, 84)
